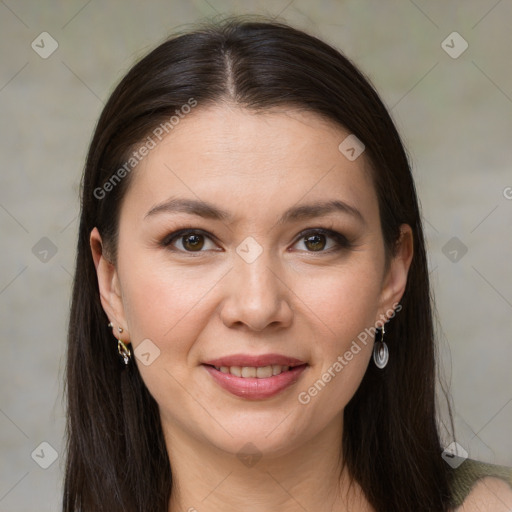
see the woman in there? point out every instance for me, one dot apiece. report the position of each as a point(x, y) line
point(251, 326)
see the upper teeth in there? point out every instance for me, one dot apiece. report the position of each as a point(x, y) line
point(261, 372)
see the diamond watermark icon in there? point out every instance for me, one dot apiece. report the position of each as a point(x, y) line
point(44, 455)
point(44, 250)
point(351, 147)
point(454, 250)
point(249, 250)
point(249, 455)
point(44, 45)
point(147, 352)
point(454, 45)
point(454, 455)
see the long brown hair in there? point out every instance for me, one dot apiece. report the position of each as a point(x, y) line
point(116, 455)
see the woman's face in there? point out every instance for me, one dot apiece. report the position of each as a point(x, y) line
point(259, 280)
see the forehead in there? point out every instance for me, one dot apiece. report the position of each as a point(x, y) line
point(252, 163)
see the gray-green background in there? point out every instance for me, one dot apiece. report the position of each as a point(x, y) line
point(455, 116)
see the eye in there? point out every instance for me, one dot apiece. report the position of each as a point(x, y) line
point(191, 240)
point(315, 240)
point(196, 241)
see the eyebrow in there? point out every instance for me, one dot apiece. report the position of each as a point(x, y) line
point(295, 213)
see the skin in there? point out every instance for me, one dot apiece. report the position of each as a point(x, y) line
point(291, 300)
point(489, 494)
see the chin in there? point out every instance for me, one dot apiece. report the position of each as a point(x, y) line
point(265, 433)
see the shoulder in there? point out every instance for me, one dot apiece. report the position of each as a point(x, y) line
point(482, 487)
point(489, 494)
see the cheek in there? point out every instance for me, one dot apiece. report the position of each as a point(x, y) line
point(167, 305)
point(342, 302)
point(161, 299)
point(343, 306)
point(170, 305)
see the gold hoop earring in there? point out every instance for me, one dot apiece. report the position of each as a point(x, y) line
point(124, 352)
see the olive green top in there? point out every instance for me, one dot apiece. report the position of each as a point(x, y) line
point(467, 474)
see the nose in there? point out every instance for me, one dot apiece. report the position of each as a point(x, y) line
point(257, 296)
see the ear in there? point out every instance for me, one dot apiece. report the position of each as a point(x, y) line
point(108, 283)
point(395, 279)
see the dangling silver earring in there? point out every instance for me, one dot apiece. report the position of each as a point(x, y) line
point(380, 351)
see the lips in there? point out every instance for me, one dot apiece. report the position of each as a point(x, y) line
point(249, 376)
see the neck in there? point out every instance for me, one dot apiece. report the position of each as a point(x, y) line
point(309, 477)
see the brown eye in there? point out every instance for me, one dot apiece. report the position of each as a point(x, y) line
point(189, 241)
point(315, 242)
point(323, 241)
point(193, 242)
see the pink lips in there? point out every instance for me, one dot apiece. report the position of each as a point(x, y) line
point(255, 388)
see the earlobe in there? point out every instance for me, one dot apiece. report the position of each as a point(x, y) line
point(108, 282)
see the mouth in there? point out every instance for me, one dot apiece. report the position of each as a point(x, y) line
point(255, 382)
point(254, 361)
point(255, 372)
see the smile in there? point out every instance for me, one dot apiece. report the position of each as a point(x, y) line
point(260, 372)
point(255, 383)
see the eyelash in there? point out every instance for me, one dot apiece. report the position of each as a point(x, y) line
point(341, 241)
